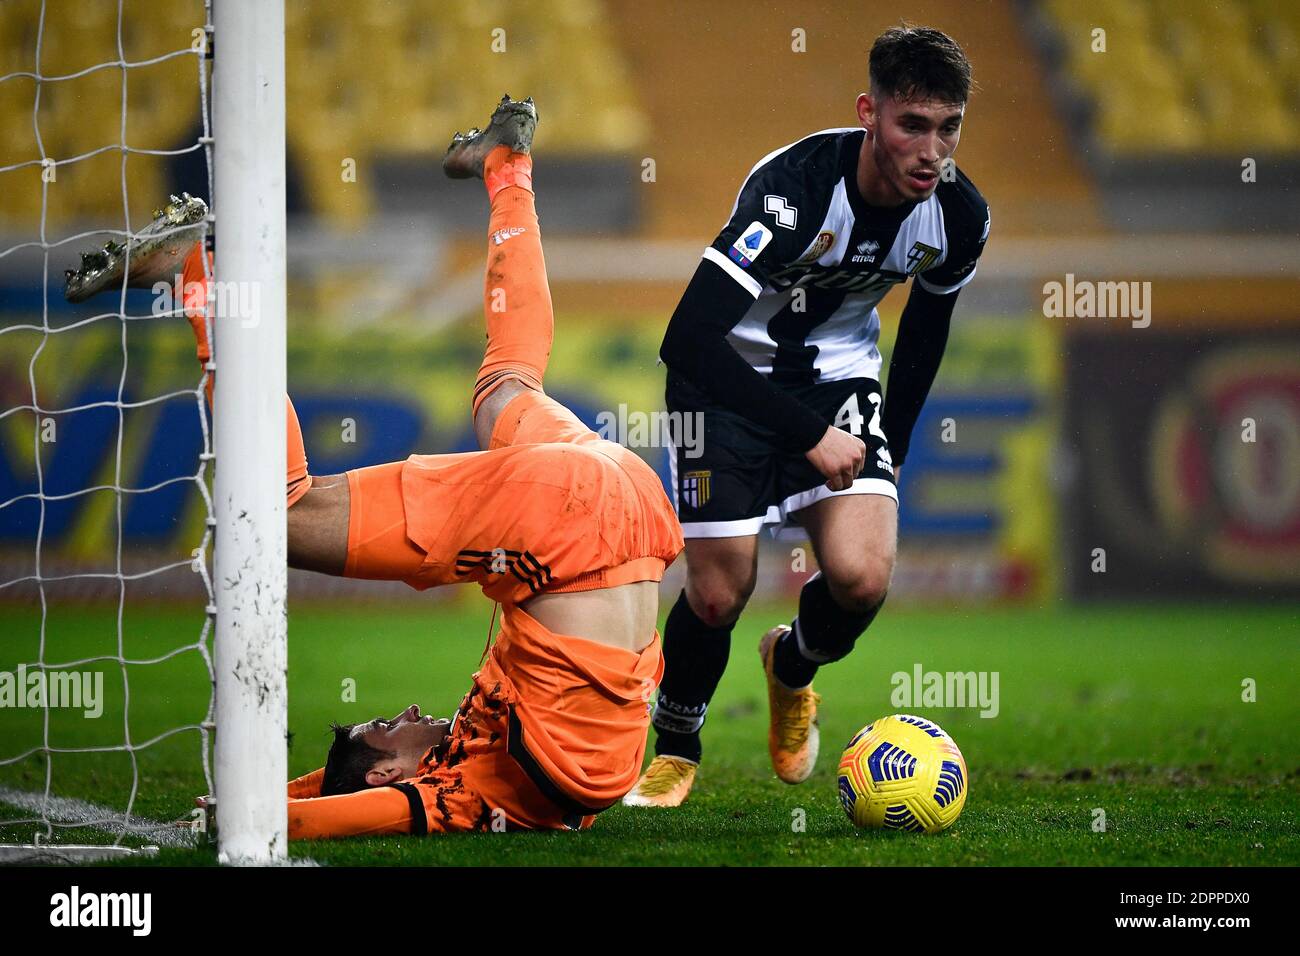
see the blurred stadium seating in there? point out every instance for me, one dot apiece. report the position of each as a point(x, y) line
point(368, 80)
point(1183, 77)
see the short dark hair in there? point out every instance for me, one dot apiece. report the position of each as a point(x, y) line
point(350, 759)
point(910, 63)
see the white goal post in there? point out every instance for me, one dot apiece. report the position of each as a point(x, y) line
point(248, 89)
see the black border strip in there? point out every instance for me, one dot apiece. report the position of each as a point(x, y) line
point(419, 818)
point(574, 811)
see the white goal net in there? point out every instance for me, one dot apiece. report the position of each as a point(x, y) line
point(111, 659)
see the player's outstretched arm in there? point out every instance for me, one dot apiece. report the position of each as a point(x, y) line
point(918, 351)
point(695, 347)
point(308, 785)
point(374, 812)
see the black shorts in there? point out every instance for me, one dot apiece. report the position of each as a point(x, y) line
point(731, 477)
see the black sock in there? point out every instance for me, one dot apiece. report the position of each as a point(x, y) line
point(826, 631)
point(790, 667)
point(695, 655)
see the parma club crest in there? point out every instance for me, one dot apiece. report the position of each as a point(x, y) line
point(695, 488)
point(921, 258)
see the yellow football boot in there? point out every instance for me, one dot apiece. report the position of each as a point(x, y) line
point(792, 736)
point(665, 783)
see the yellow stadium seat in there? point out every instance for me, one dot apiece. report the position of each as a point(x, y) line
point(362, 80)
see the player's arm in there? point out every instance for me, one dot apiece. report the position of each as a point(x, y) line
point(696, 348)
point(308, 785)
point(733, 273)
point(372, 812)
point(918, 351)
point(927, 317)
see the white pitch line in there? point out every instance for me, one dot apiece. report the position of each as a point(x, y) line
point(82, 812)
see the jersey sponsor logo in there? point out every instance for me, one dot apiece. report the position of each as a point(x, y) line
point(849, 280)
point(921, 257)
point(751, 242)
point(695, 488)
point(866, 251)
point(785, 214)
point(820, 246)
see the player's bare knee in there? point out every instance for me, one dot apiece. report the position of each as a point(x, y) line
point(719, 602)
point(864, 589)
point(485, 419)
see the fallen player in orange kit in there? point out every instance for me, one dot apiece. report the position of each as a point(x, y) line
point(568, 532)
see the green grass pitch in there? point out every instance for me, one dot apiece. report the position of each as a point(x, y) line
point(1135, 710)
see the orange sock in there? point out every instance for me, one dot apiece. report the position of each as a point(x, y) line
point(516, 297)
point(502, 168)
point(194, 296)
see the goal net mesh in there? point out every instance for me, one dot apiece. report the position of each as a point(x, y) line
point(106, 515)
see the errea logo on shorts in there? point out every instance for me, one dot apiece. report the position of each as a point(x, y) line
point(74, 909)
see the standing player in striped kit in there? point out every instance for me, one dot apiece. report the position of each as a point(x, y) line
point(774, 344)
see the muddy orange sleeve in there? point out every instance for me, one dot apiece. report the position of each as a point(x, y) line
point(308, 785)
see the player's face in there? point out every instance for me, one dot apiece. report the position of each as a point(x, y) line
point(909, 142)
point(408, 735)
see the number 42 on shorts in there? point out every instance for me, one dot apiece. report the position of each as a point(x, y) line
point(850, 416)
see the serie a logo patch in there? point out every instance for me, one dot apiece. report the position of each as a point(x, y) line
point(695, 488)
point(751, 242)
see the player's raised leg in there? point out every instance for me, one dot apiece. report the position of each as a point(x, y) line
point(168, 250)
point(516, 297)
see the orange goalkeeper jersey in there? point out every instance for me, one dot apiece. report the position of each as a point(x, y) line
point(552, 731)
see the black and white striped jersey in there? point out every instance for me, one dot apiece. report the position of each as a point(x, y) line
point(818, 259)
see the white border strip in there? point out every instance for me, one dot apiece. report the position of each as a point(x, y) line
point(752, 285)
point(860, 486)
point(69, 810)
point(739, 528)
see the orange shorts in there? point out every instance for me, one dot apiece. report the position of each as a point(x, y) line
point(550, 506)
